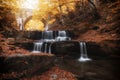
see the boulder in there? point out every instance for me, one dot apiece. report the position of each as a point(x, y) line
point(25, 65)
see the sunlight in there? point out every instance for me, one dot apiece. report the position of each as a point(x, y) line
point(30, 4)
point(43, 10)
point(34, 25)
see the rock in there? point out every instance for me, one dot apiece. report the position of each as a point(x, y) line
point(1, 49)
point(90, 74)
point(95, 27)
point(27, 65)
point(95, 51)
point(66, 49)
point(11, 40)
point(71, 49)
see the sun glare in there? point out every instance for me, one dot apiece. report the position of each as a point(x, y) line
point(30, 4)
point(43, 10)
point(34, 25)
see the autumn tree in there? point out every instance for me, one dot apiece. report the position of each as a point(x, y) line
point(7, 14)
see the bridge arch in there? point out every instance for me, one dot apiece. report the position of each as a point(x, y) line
point(43, 22)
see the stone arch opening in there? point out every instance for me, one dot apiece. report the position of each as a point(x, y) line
point(31, 24)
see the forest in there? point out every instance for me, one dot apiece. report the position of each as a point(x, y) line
point(59, 39)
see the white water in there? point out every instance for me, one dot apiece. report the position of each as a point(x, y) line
point(62, 33)
point(48, 36)
point(50, 48)
point(20, 23)
point(62, 36)
point(46, 27)
point(83, 50)
point(45, 48)
point(37, 47)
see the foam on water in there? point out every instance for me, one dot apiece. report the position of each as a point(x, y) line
point(83, 53)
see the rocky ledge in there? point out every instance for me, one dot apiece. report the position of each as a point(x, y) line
point(24, 65)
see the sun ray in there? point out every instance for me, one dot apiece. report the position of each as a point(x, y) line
point(30, 4)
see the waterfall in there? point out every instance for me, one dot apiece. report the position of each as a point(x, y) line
point(48, 36)
point(62, 33)
point(20, 23)
point(46, 27)
point(83, 50)
point(62, 36)
point(50, 48)
point(45, 49)
point(37, 47)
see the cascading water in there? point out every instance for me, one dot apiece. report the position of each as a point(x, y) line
point(45, 49)
point(50, 48)
point(62, 36)
point(83, 50)
point(46, 27)
point(62, 33)
point(48, 36)
point(45, 44)
point(37, 47)
point(20, 23)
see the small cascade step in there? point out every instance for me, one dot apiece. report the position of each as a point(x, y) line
point(47, 39)
point(62, 33)
point(38, 47)
point(83, 52)
point(48, 36)
point(62, 36)
point(41, 47)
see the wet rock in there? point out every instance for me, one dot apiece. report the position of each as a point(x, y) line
point(66, 49)
point(111, 47)
point(27, 46)
point(71, 49)
point(95, 51)
point(35, 35)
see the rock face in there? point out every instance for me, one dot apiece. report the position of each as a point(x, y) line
point(66, 49)
point(93, 70)
point(71, 49)
point(25, 65)
point(31, 66)
point(34, 35)
point(94, 50)
point(98, 27)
